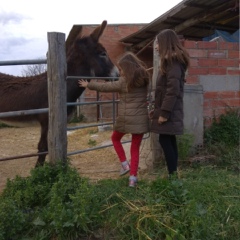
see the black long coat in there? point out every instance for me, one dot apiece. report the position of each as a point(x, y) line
point(169, 101)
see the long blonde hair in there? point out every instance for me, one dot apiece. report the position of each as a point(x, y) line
point(170, 48)
point(134, 71)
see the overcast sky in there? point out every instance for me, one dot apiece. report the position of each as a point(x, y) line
point(24, 24)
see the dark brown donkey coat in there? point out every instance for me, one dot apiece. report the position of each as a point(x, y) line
point(169, 101)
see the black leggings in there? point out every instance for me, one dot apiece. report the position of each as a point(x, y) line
point(169, 146)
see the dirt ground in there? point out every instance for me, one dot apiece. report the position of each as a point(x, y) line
point(98, 164)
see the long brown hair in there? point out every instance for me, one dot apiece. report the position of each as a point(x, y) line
point(170, 48)
point(134, 70)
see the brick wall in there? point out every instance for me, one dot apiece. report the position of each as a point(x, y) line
point(111, 36)
point(110, 40)
point(215, 65)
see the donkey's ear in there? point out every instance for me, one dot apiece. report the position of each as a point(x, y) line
point(96, 34)
point(74, 34)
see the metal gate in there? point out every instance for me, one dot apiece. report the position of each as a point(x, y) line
point(29, 112)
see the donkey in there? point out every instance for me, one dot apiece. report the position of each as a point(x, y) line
point(86, 56)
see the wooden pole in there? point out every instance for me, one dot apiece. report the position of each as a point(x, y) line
point(57, 99)
point(154, 138)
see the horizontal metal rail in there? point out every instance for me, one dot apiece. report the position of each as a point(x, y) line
point(68, 154)
point(22, 156)
point(86, 77)
point(23, 62)
point(89, 103)
point(89, 125)
point(23, 112)
point(45, 110)
point(99, 147)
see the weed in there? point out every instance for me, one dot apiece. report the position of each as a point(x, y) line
point(185, 145)
point(225, 129)
point(78, 118)
point(92, 142)
point(93, 131)
point(57, 203)
point(3, 125)
point(223, 138)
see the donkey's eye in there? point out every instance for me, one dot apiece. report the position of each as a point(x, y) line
point(103, 54)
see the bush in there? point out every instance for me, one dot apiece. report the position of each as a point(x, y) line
point(53, 201)
point(203, 204)
point(77, 119)
point(3, 125)
point(225, 130)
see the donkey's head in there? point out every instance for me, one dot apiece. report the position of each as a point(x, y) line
point(87, 57)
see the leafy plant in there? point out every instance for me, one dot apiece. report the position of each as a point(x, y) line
point(53, 201)
point(92, 142)
point(185, 145)
point(93, 130)
point(57, 203)
point(3, 125)
point(78, 119)
point(224, 129)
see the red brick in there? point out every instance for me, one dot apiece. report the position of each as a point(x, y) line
point(197, 53)
point(192, 79)
point(198, 71)
point(190, 44)
point(216, 103)
point(207, 62)
point(194, 62)
point(233, 54)
point(228, 94)
point(233, 72)
point(217, 71)
point(207, 122)
point(206, 104)
point(207, 45)
point(219, 111)
point(208, 112)
point(210, 95)
point(227, 63)
point(237, 94)
point(233, 102)
point(226, 45)
point(217, 54)
point(236, 46)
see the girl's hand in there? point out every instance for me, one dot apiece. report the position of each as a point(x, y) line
point(82, 83)
point(150, 114)
point(161, 120)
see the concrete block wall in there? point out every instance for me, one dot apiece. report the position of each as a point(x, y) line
point(215, 66)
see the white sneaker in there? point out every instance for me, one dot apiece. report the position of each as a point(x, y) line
point(132, 181)
point(124, 169)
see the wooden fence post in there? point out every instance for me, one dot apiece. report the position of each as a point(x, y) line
point(57, 99)
point(154, 142)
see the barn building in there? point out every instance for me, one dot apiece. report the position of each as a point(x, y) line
point(209, 29)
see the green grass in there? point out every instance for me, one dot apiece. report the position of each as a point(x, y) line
point(57, 203)
point(3, 125)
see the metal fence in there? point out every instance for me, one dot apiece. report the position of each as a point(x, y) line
point(114, 101)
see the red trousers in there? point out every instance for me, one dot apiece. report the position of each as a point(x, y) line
point(134, 150)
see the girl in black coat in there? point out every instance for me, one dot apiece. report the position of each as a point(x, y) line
point(167, 116)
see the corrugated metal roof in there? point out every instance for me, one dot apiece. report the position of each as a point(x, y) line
point(192, 19)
